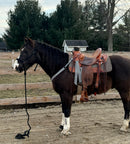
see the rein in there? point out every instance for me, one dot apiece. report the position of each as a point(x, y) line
point(27, 132)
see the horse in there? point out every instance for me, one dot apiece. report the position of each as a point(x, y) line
point(52, 60)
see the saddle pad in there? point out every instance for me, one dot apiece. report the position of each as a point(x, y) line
point(107, 68)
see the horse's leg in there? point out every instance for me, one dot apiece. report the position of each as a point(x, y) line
point(66, 99)
point(126, 103)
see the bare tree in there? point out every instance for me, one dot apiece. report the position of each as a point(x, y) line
point(110, 23)
point(110, 16)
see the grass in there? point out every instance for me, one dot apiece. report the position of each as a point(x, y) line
point(30, 93)
point(32, 77)
point(19, 78)
point(11, 77)
point(5, 63)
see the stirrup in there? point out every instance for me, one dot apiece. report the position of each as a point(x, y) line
point(83, 99)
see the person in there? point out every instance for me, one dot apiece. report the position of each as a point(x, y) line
point(77, 58)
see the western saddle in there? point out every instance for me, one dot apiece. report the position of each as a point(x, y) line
point(90, 60)
point(90, 65)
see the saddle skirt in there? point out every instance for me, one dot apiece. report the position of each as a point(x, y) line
point(104, 61)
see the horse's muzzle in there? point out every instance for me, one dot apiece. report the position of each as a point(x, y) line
point(16, 66)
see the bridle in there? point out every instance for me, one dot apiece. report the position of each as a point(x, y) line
point(34, 52)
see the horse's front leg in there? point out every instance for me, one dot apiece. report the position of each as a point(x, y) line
point(66, 99)
point(62, 121)
point(66, 126)
point(126, 121)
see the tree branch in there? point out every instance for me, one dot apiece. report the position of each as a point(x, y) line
point(120, 18)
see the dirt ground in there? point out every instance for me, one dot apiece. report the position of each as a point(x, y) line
point(95, 122)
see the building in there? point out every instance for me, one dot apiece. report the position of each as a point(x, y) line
point(69, 45)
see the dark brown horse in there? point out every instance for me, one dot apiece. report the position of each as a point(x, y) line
point(52, 60)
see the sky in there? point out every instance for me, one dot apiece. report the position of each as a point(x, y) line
point(47, 5)
point(5, 5)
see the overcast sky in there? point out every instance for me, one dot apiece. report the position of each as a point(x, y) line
point(46, 5)
point(6, 5)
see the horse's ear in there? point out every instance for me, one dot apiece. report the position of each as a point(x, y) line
point(29, 41)
point(26, 40)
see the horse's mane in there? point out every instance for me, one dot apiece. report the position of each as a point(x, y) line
point(54, 57)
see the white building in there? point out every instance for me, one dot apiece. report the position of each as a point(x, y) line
point(69, 45)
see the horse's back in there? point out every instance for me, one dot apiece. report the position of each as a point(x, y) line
point(120, 72)
point(120, 63)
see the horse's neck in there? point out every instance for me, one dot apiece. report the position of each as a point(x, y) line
point(51, 61)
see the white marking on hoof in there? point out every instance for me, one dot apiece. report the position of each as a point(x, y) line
point(125, 126)
point(66, 127)
point(66, 133)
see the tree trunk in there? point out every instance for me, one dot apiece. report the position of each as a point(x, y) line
point(111, 6)
point(110, 37)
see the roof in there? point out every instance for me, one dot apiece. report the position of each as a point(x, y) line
point(76, 42)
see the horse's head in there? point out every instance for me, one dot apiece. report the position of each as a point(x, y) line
point(27, 56)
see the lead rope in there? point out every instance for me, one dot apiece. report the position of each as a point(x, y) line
point(27, 132)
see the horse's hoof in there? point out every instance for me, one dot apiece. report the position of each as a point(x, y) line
point(66, 132)
point(61, 127)
point(123, 129)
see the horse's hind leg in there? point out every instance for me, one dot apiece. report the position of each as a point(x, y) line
point(66, 99)
point(126, 103)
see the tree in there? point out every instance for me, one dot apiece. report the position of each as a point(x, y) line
point(127, 28)
point(110, 21)
point(122, 34)
point(104, 13)
point(88, 14)
point(110, 16)
point(65, 22)
point(99, 16)
point(1, 40)
point(24, 21)
point(95, 20)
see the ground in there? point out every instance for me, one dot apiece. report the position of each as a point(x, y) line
point(95, 122)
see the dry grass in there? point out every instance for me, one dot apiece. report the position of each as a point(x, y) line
point(9, 76)
point(19, 78)
point(30, 93)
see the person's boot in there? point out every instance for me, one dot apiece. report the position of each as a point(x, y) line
point(84, 96)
